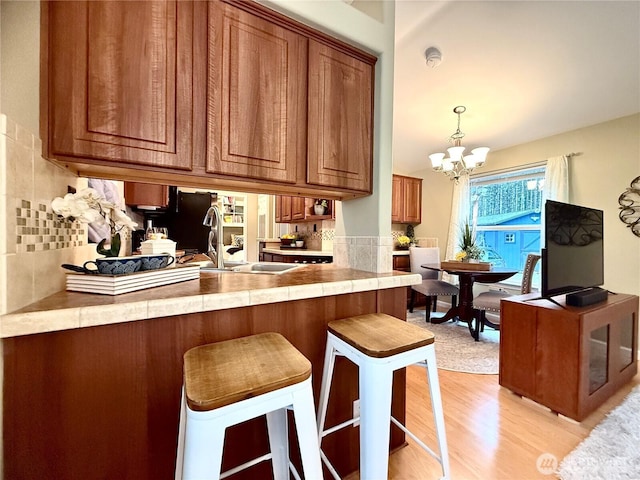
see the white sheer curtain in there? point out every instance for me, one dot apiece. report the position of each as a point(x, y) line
point(556, 183)
point(459, 213)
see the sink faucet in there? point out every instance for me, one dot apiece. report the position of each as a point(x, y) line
point(215, 244)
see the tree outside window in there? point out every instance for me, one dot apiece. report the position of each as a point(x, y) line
point(506, 209)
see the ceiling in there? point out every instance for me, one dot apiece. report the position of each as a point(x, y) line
point(525, 70)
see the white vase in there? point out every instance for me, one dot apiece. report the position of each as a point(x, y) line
point(318, 209)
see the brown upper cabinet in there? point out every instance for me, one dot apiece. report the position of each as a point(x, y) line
point(340, 119)
point(300, 209)
point(117, 83)
point(406, 204)
point(148, 194)
point(256, 109)
point(221, 94)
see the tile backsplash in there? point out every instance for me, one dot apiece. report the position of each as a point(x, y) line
point(33, 241)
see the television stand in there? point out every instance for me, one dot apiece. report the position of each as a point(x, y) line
point(570, 359)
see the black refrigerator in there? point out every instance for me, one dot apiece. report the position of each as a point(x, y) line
point(184, 219)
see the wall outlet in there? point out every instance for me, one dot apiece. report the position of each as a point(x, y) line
point(356, 412)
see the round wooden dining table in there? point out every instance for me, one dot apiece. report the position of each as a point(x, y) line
point(464, 311)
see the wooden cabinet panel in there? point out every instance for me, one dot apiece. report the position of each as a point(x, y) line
point(285, 209)
point(256, 96)
point(298, 208)
point(340, 121)
point(406, 202)
point(397, 199)
point(118, 82)
point(401, 263)
point(412, 200)
point(278, 215)
point(146, 194)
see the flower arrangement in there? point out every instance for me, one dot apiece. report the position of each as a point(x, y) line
point(404, 241)
point(468, 248)
point(321, 201)
point(87, 206)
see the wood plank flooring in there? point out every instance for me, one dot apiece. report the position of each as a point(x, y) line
point(491, 433)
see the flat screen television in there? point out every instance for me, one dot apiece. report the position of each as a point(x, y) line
point(573, 257)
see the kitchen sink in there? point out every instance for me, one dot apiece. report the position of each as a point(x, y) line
point(271, 268)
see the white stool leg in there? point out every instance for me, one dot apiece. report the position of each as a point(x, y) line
point(375, 417)
point(279, 443)
point(325, 388)
point(304, 414)
point(181, 428)
point(438, 414)
point(204, 441)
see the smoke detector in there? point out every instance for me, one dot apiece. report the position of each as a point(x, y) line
point(433, 57)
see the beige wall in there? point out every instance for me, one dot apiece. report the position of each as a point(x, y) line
point(609, 160)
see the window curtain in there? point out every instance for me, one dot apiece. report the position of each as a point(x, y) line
point(459, 214)
point(556, 184)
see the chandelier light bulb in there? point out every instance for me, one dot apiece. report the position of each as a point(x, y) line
point(480, 154)
point(470, 161)
point(455, 153)
point(436, 160)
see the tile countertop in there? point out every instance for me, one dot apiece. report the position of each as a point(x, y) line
point(299, 252)
point(212, 291)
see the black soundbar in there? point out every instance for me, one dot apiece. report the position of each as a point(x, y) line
point(587, 297)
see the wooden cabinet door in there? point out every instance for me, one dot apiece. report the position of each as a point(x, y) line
point(119, 82)
point(298, 208)
point(278, 209)
point(256, 107)
point(406, 199)
point(412, 200)
point(397, 199)
point(146, 194)
point(340, 121)
point(285, 209)
point(402, 263)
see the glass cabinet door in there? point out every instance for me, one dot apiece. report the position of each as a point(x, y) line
point(625, 353)
point(598, 358)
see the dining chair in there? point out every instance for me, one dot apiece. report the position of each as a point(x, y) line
point(490, 301)
point(431, 287)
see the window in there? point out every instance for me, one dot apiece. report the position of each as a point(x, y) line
point(506, 209)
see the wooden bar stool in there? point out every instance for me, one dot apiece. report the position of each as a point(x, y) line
point(229, 382)
point(380, 344)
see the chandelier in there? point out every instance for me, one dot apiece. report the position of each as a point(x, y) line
point(456, 164)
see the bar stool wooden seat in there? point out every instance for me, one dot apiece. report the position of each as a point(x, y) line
point(380, 344)
point(229, 382)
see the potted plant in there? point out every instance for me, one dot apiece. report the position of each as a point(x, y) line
point(320, 206)
point(469, 251)
point(88, 206)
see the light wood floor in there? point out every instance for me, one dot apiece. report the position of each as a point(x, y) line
point(491, 433)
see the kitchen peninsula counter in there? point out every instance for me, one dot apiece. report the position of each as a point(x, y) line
point(213, 291)
point(92, 382)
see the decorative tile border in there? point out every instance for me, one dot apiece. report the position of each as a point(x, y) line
point(38, 229)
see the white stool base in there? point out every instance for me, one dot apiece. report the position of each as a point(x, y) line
point(375, 386)
point(201, 434)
